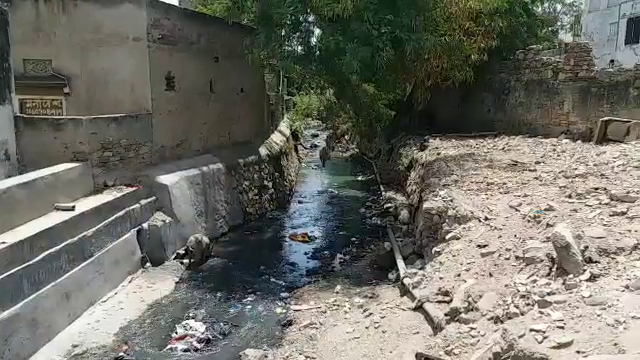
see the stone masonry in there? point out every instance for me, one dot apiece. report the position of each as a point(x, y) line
point(551, 92)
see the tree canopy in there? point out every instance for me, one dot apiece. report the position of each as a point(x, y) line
point(375, 56)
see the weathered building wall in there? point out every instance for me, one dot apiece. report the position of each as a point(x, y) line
point(204, 92)
point(116, 145)
point(8, 160)
point(100, 46)
point(604, 26)
point(547, 95)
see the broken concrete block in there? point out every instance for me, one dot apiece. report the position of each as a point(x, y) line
point(567, 249)
point(163, 240)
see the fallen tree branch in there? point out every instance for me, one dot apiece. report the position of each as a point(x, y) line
point(435, 315)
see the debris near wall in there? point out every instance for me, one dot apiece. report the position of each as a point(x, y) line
point(536, 237)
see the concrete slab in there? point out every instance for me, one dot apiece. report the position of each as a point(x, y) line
point(27, 327)
point(29, 278)
point(33, 194)
point(200, 194)
point(163, 239)
point(203, 200)
point(29, 240)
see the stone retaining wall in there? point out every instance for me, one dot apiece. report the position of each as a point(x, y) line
point(116, 145)
point(213, 193)
point(547, 95)
point(538, 92)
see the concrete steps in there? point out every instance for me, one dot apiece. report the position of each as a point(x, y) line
point(31, 195)
point(54, 265)
point(28, 278)
point(27, 327)
point(27, 241)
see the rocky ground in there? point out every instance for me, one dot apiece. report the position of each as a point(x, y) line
point(542, 233)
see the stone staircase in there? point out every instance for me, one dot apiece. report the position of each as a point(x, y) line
point(54, 265)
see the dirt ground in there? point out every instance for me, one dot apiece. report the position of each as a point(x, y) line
point(520, 192)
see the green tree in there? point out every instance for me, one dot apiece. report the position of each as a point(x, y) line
point(378, 58)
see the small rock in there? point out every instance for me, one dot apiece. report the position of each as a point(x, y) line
point(550, 206)
point(558, 299)
point(253, 354)
point(515, 204)
point(567, 249)
point(411, 260)
point(469, 318)
point(595, 232)
point(404, 216)
point(487, 301)
point(487, 252)
point(622, 196)
point(337, 289)
point(452, 236)
point(544, 303)
point(406, 248)
point(571, 284)
point(535, 252)
point(634, 285)
point(619, 211)
point(586, 276)
point(561, 342)
point(539, 338)
point(596, 301)
point(556, 316)
point(388, 246)
point(539, 328)
point(419, 264)
point(513, 312)
point(393, 275)
point(586, 294)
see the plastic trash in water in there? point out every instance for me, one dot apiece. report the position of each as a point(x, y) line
point(190, 335)
point(301, 237)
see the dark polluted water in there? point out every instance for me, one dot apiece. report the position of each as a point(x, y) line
point(256, 266)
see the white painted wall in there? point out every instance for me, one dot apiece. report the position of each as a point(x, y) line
point(101, 46)
point(604, 26)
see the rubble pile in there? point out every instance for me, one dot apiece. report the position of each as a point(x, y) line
point(542, 234)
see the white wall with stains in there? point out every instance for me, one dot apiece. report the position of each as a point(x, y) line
point(604, 26)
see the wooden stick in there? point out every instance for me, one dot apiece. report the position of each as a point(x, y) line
point(435, 315)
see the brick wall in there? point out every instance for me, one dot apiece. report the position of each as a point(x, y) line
point(115, 145)
point(548, 92)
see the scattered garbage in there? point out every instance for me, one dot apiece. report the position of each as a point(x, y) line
point(190, 336)
point(301, 237)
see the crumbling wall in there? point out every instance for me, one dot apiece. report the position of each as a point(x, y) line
point(116, 145)
point(538, 92)
point(546, 93)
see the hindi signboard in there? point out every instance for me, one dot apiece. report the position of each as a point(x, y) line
point(41, 107)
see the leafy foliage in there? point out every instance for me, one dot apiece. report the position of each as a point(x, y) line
point(379, 59)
